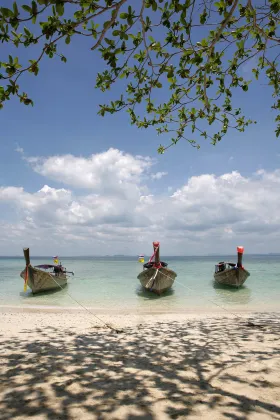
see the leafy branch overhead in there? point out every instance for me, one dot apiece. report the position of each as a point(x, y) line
point(180, 59)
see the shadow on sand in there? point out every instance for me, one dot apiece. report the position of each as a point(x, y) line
point(204, 369)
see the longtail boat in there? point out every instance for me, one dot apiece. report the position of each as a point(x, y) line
point(231, 274)
point(44, 277)
point(156, 277)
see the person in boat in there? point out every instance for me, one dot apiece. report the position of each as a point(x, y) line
point(57, 270)
point(222, 266)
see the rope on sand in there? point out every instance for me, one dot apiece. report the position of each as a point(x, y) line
point(248, 323)
point(86, 309)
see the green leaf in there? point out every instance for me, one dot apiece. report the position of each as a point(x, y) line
point(161, 149)
point(170, 74)
point(7, 12)
point(203, 17)
point(27, 9)
point(60, 9)
point(15, 8)
point(34, 7)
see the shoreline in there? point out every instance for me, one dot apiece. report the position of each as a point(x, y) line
point(193, 311)
point(15, 319)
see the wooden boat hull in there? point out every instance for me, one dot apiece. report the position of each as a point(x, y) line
point(157, 281)
point(232, 277)
point(41, 281)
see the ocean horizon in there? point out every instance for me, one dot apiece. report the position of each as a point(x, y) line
point(270, 254)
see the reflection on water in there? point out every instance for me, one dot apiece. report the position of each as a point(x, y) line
point(146, 294)
point(28, 294)
point(50, 297)
point(232, 295)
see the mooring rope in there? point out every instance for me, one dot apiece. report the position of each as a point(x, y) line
point(84, 307)
point(152, 278)
point(249, 323)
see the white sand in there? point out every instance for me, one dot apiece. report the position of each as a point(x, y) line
point(66, 365)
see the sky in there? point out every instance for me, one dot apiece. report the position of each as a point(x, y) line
point(74, 183)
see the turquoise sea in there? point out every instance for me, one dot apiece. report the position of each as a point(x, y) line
point(110, 283)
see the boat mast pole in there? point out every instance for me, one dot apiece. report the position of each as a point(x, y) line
point(156, 251)
point(240, 251)
point(26, 256)
point(27, 263)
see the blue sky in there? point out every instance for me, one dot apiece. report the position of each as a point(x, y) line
point(64, 121)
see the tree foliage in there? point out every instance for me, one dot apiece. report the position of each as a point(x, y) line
point(190, 50)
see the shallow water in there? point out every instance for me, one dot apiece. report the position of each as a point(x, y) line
point(111, 284)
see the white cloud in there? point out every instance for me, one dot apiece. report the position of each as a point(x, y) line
point(111, 172)
point(208, 214)
point(19, 150)
point(44, 197)
point(158, 175)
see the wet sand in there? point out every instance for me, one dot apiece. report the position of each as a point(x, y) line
point(59, 364)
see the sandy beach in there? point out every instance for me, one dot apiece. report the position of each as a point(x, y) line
point(59, 364)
